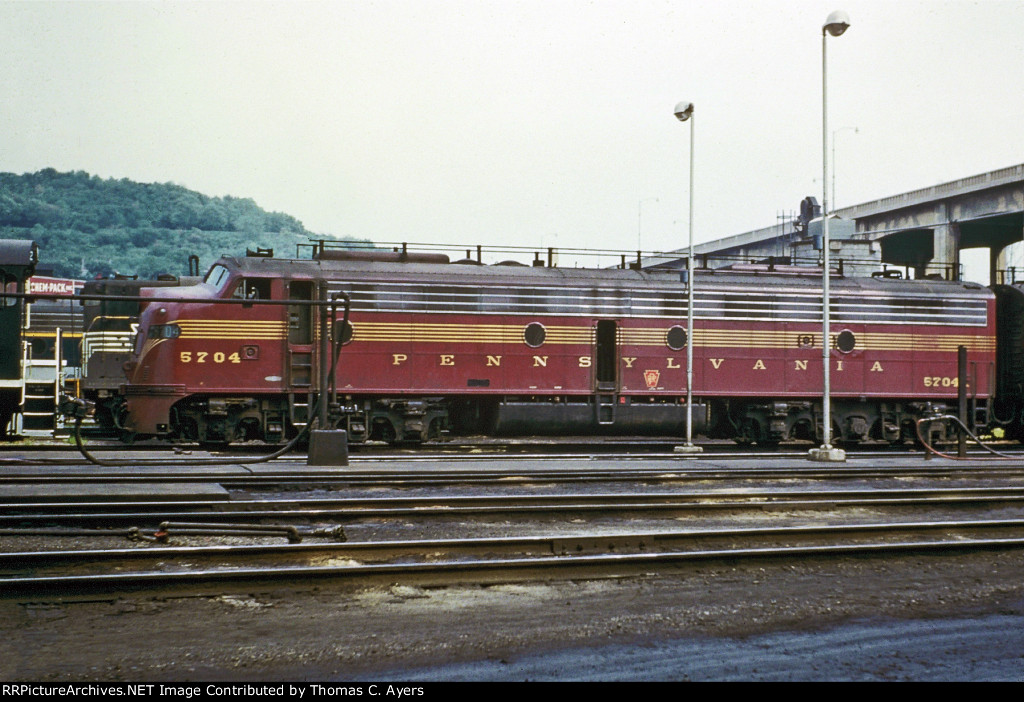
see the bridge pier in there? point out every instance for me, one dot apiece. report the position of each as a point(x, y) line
point(946, 250)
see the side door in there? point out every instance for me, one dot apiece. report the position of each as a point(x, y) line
point(606, 371)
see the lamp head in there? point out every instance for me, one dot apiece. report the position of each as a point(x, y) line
point(684, 111)
point(836, 23)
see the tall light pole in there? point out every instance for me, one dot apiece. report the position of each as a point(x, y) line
point(684, 112)
point(836, 23)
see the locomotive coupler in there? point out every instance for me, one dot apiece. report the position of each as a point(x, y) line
point(934, 424)
point(75, 407)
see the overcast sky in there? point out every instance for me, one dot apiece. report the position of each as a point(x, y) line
point(534, 122)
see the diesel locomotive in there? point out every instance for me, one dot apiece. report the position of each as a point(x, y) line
point(432, 348)
point(109, 327)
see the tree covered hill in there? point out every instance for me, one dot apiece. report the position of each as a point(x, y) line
point(86, 226)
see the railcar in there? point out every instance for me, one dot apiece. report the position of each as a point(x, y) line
point(434, 347)
point(18, 260)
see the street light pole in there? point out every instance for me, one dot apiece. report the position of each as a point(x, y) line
point(836, 23)
point(684, 112)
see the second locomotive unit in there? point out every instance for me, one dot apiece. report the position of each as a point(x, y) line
point(433, 347)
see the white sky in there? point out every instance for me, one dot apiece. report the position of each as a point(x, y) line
point(533, 122)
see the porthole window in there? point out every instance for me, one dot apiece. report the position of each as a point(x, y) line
point(534, 334)
point(846, 341)
point(343, 331)
point(676, 338)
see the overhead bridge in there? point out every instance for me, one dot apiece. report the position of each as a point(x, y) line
point(923, 231)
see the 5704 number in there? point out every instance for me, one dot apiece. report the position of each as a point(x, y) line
point(206, 356)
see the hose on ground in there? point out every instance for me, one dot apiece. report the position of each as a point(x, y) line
point(949, 417)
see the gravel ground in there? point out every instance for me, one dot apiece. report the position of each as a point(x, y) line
point(953, 617)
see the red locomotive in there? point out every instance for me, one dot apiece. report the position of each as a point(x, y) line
point(433, 347)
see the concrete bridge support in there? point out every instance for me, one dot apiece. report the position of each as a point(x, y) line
point(946, 249)
point(995, 233)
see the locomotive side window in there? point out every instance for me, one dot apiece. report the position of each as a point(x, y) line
point(846, 341)
point(343, 331)
point(676, 338)
point(534, 334)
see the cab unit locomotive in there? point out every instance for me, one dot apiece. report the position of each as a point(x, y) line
point(108, 332)
point(433, 347)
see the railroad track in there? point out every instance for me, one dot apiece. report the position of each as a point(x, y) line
point(402, 473)
point(496, 448)
point(510, 558)
point(350, 509)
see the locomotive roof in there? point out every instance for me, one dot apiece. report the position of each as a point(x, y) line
point(19, 254)
point(131, 286)
point(522, 275)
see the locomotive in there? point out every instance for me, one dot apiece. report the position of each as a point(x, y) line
point(108, 332)
point(433, 347)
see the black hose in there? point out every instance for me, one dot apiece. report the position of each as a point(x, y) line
point(196, 461)
point(931, 449)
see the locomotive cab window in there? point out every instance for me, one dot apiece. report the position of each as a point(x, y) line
point(218, 277)
point(252, 289)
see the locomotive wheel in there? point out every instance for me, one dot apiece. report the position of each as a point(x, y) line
point(383, 430)
point(750, 432)
point(434, 430)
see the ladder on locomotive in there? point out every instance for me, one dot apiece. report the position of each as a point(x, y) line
point(41, 390)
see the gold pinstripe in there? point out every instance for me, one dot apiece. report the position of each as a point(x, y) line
point(229, 329)
point(464, 333)
point(566, 335)
point(736, 338)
